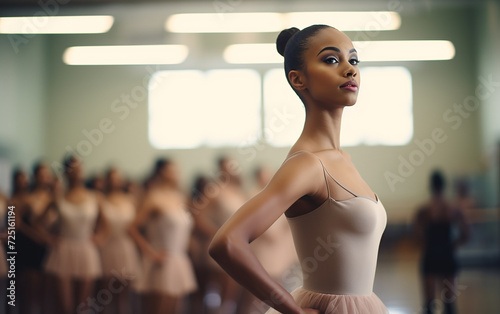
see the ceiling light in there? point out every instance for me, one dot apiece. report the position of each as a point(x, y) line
point(275, 22)
point(224, 23)
point(346, 20)
point(56, 24)
point(114, 55)
point(405, 50)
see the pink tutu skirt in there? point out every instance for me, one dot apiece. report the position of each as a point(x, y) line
point(175, 277)
point(74, 259)
point(337, 303)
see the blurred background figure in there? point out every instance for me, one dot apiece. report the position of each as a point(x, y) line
point(203, 231)
point(120, 259)
point(3, 257)
point(33, 236)
point(224, 202)
point(73, 260)
point(434, 226)
point(168, 275)
point(96, 183)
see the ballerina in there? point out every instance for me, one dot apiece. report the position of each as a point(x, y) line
point(335, 218)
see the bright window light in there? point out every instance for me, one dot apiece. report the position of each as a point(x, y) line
point(274, 22)
point(189, 109)
point(56, 24)
point(284, 113)
point(118, 55)
point(378, 118)
point(405, 50)
point(224, 23)
point(346, 21)
point(380, 51)
point(252, 54)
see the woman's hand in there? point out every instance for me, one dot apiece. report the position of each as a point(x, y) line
point(159, 257)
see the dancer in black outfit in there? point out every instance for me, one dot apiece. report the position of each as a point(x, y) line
point(439, 267)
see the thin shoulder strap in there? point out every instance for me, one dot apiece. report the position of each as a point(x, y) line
point(325, 171)
point(340, 184)
point(324, 174)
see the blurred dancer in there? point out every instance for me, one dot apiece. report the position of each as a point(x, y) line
point(3, 257)
point(20, 188)
point(168, 275)
point(119, 254)
point(225, 201)
point(434, 223)
point(33, 237)
point(203, 231)
point(463, 199)
point(74, 260)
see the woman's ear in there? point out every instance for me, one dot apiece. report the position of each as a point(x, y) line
point(297, 80)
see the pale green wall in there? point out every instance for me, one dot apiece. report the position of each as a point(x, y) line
point(488, 41)
point(79, 97)
point(22, 99)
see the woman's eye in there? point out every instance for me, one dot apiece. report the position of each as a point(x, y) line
point(354, 61)
point(331, 60)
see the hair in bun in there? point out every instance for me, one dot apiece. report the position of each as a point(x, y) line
point(292, 43)
point(284, 37)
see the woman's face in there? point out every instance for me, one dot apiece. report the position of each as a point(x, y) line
point(170, 172)
point(44, 176)
point(331, 75)
point(21, 181)
point(74, 172)
point(115, 180)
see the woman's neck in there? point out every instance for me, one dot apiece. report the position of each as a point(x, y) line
point(323, 126)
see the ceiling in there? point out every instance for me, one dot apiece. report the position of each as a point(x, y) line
point(4, 3)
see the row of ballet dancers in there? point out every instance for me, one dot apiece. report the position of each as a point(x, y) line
point(112, 246)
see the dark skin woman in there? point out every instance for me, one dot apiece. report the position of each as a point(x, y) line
point(321, 67)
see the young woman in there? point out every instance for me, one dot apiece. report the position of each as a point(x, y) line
point(120, 259)
point(73, 260)
point(434, 224)
point(168, 274)
point(33, 236)
point(335, 218)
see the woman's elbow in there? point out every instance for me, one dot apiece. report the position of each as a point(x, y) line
point(220, 247)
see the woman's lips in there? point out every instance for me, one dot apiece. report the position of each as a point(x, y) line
point(350, 85)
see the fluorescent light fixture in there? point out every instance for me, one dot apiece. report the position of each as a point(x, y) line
point(56, 24)
point(273, 22)
point(114, 55)
point(396, 50)
point(224, 23)
point(405, 50)
point(346, 20)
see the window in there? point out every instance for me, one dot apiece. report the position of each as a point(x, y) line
point(191, 108)
point(188, 109)
point(380, 116)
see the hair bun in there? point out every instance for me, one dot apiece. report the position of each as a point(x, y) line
point(284, 37)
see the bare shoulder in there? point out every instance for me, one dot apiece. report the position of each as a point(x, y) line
point(300, 170)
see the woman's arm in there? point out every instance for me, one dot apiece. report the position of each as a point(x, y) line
point(298, 176)
point(145, 211)
point(102, 224)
